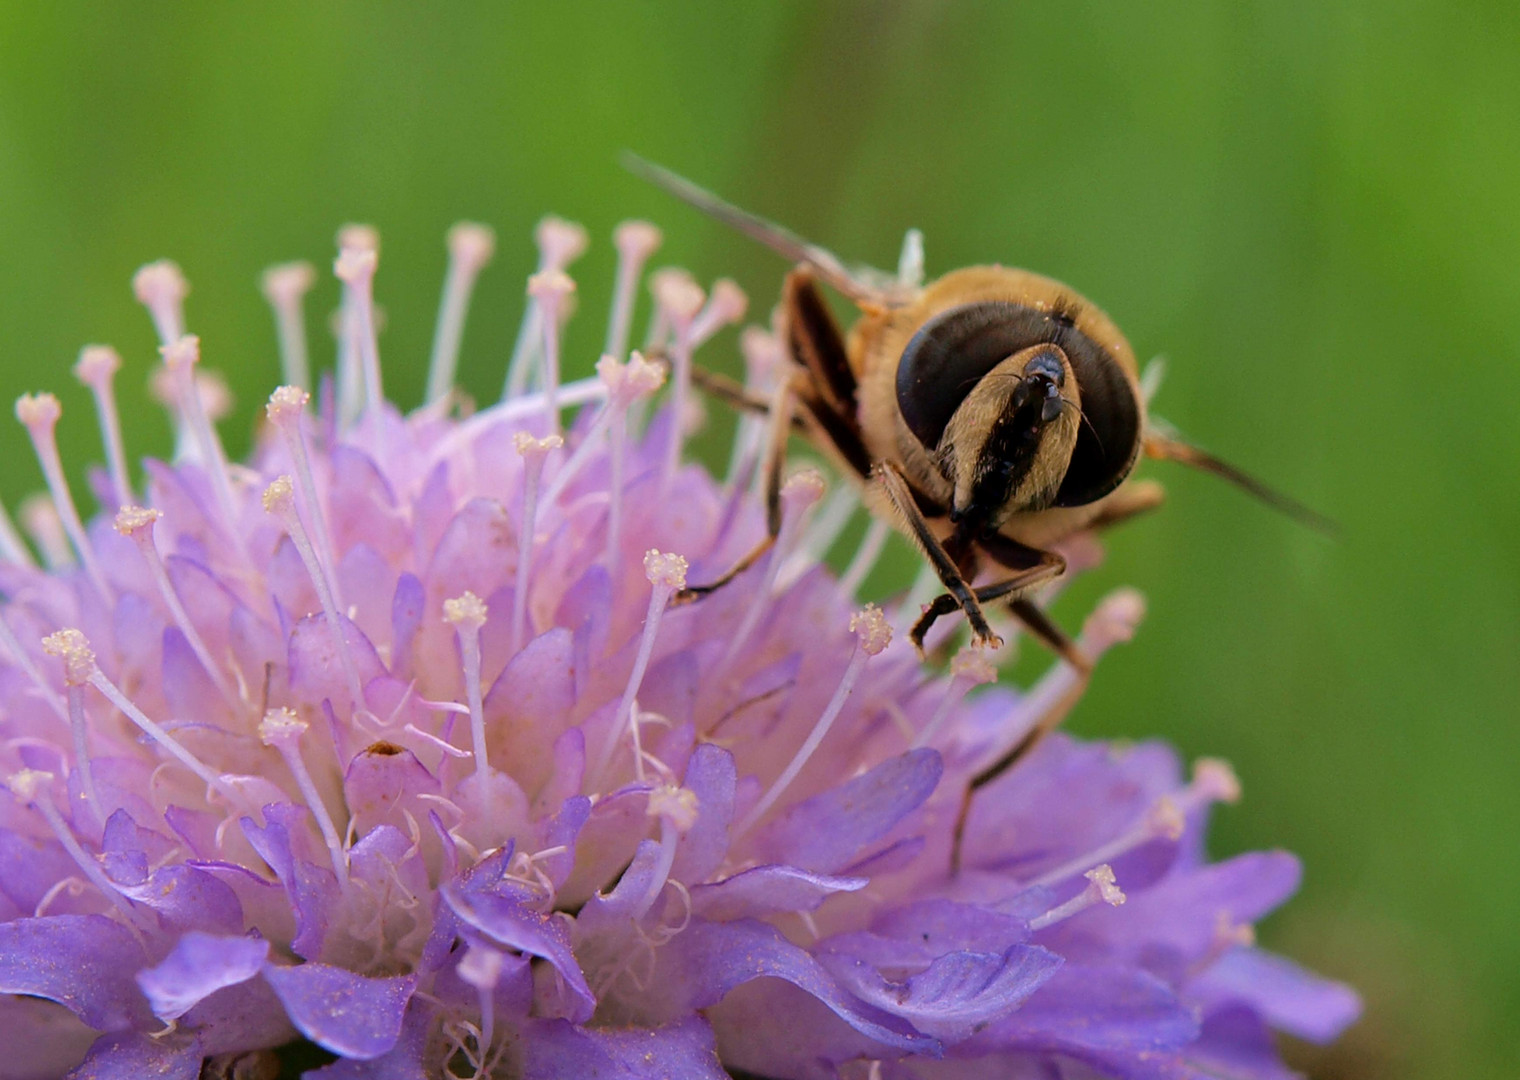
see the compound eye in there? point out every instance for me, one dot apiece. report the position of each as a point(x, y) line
point(951, 353)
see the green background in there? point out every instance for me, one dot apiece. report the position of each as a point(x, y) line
point(1312, 210)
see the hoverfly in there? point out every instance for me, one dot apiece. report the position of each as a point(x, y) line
point(991, 413)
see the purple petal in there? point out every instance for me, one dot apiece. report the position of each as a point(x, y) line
point(958, 993)
point(765, 890)
point(29, 867)
point(683, 1050)
point(401, 1062)
point(132, 1056)
point(707, 960)
point(312, 890)
point(1235, 1043)
point(529, 705)
point(40, 1039)
point(199, 965)
point(348, 1014)
point(1290, 998)
point(828, 831)
point(946, 925)
point(382, 777)
point(711, 776)
point(315, 669)
point(186, 898)
point(507, 922)
point(407, 606)
point(85, 962)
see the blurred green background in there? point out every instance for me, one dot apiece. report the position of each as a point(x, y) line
point(1312, 210)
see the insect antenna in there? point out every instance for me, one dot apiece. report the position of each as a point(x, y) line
point(1170, 448)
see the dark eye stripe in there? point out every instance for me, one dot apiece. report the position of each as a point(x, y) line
point(953, 351)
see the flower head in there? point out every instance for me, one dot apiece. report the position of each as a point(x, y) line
point(400, 739)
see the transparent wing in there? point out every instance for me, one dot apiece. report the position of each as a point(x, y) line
point(862, 284)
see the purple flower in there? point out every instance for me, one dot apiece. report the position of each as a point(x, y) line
point(393, 740)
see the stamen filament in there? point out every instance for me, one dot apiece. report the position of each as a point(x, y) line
point(865, 556)
point(969, 667)
point(1101, 887)
point(97, 369)
point(355, 267)
point(12, 548)
point(551, 290)
point(284, 287)
point(282, 729)
point(79, 727)
point(39, 414)
point(680, 299)
point(467, 613)
point(287, 411)
point(23, 660)
point(872, 636)
point(635, 241)
point(534, 452)
point(161, 288)
point(470, 249)
point(30, 786)
point(181, 359)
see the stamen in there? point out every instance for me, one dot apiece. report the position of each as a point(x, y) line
point(726, 306)
point(762, 357)
point(481, 967)
point(39, 413)
point(679, 300)
point(470, 249)
point(872, 636)
point(801, 491)
point(136, 524)
point(12, 548)
point(346, 329)
point(626, 384)
point(279, 500)
point(969, 667)
point(286, 411)
point(285, 286)
point(676, 808)
point(39, 517)
point(1228, 935)
point(97, 369)
point(910, 264)
point(635, 241)
point(560, 243)
point(161, 288)
point(30, 787)
point(282, 729)
point(1164, 820)
point(79, 666)
point(1151, 378)
point(180, 359)
point(534, 452)
point(1101, 887)
point(667, 575)
point(865, 556)
point(355, 267)
point(467, 614)
point(77, 662)
point(551, 291)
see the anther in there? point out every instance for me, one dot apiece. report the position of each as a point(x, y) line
point(282, 729)
point(534, 452)
point(285, 286)
point(551, 291)
point(560, 243)
point(1102, 888)
point(280, 500)
point(39, 414)
point(161, 288)
point(635, 241)
point(872, 635)
point(725, 307)
point(71, 647)
point(97, 369)
point(471, 247)
point(467, 614)
point(136, 524)
point(1215, 781)
point(968, 668)
point(676, 810)
point(667, 576)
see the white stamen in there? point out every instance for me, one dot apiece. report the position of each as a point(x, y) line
point(279, 500)
point(635, 241)
point(39, 414)
point(470, 249)
point(286, 411)
point(345, 328)
point(801, 491)
point(481, 967)
point(677, 810)
point(161, 288)
point(679, 300)
point(282, 729)
point(823, 530)
point(285, 286)
point(910, 264)
point(667, 575)
point(39, 517)
point(969, 667)
point(551, 291)
point(78, 662)
point(136, 523)
point(180, 359)
point(1162, 821)
point(626, 384)
point(560, 243)
point(23, 660)
point(12, 548)
point(725, 307)
point(534, 452)
point(762, 358)
point(467, 614)
point(30, 787)
point(355, 267)
point(97, 369)
point(1101, 888)
point(872, 636)
point(865, 556)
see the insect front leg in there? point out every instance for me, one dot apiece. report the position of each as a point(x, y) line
point(948, 602)
point(959, 592)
